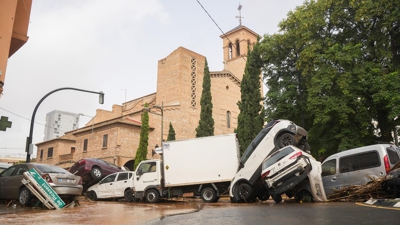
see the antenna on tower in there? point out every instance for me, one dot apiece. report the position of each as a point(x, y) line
point(240, 14)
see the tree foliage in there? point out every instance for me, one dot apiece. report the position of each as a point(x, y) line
point(141, 152)
point(251, 116)
point(206, 122)
point(171, 133)
point(343, 56)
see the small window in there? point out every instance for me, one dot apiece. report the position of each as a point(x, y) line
point(147, 168)
point(393, 157)
point(329, 168)
point(230, 51)
point(109, 179)
point(359, 161)
point(248, 44)
point(41, 154)
point(228, 119)
point(105, 140)
point(237, 48)
point(50, 152)
point(85, 145)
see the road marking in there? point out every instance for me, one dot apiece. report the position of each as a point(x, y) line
point(376, 206)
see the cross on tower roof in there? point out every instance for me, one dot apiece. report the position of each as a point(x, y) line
point(240, 14)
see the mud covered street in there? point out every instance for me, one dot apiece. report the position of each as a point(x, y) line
point(196, 212)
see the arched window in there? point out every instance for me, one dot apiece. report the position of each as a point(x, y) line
point(237, 48)
point(228, 119)
point(248, 44)
point(230, 51)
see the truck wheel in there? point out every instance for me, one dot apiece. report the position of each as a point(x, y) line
point(25, 196)
point(129, 195)
point(277, 198)
point(152, 196)
point(96, 173)
point(245, 191)
point(208, 195)
point(285, 140)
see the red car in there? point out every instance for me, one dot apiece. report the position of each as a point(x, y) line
point(92, 170)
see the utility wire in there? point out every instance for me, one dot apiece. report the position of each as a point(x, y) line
point(219, 28)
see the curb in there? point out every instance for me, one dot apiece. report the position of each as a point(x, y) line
point(384, 202)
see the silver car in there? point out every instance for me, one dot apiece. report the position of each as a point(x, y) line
point(65, 184)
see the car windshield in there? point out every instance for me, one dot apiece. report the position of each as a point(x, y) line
point(50, 169)
point(253, 145)
point(278, 155)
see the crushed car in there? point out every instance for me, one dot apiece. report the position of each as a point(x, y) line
point(114, 186)
point(293, 172)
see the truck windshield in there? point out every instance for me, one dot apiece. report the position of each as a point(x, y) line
point(253, 145)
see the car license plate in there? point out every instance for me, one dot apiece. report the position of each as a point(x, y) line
point(65, 180)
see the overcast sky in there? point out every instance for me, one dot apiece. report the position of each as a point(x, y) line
point(114, 47)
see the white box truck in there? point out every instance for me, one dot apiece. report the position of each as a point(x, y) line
point(202, 166)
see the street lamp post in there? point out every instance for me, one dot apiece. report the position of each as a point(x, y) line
point(29, 145)
point(161, 108)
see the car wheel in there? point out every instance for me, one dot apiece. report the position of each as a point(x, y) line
point(96, 173)
point(277, 198)
point(208, 195)
point(263, 195)
point(304, 196)
point(129, 195)
point(245, 191)
point(152, 196)
point(285, 140)
point(25, 196)
point(305, 147)
point(93, 195)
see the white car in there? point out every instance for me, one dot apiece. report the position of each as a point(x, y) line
point(116, 185)
point(289, 170)
point(247, 184)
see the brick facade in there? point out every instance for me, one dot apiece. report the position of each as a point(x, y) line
point(179, 88)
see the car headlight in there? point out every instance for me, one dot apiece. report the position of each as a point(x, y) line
point(292, 128)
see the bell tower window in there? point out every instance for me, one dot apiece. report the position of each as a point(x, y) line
point(230, 51)
point(237, 48)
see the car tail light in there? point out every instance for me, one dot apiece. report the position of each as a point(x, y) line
point(387, 164)
point(298, 154)
point(47, 178)
point(265, 174)
point(81, 162)
point(80, 181)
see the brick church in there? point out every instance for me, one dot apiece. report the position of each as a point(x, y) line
point(114, 135)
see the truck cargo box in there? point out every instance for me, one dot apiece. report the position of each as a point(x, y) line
point(201, 160)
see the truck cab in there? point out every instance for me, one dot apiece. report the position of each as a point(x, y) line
point(147, 180)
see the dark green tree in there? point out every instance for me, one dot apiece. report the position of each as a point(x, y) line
point(141, 152)
point(171, 133)
point(347, 55)
point(206, 122)
point(251, 116)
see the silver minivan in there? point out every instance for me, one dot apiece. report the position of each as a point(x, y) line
point(356, 166)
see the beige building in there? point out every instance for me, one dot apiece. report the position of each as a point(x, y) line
point(114, 135)
point(14, 21)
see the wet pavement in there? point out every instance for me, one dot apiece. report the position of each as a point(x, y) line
point(194, 211)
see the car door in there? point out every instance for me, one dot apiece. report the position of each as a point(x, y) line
point(13, 182)
point(330, 176)
point(4, 178)
point(120, 184)
point(147, 175)
point(106, 188)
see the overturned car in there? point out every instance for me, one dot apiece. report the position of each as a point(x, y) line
point(294, 172)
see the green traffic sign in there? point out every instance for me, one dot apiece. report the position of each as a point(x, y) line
point(4, 123)
point(47, 188)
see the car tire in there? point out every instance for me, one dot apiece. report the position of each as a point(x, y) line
point(208, 195)
point(285, 140)
point(245, 192)
point(129, 195)
point(305, 147)
point(93, 195)
point(96, 173)
point(25, 196)
point(277, 198)
point(152, 196)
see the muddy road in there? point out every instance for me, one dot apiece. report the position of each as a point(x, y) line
point(196, 212)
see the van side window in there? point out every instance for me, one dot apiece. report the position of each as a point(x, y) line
point(329, 168)
point(359, 161)
point(393, 157)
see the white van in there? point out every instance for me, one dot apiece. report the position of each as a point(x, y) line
point(352, 167)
